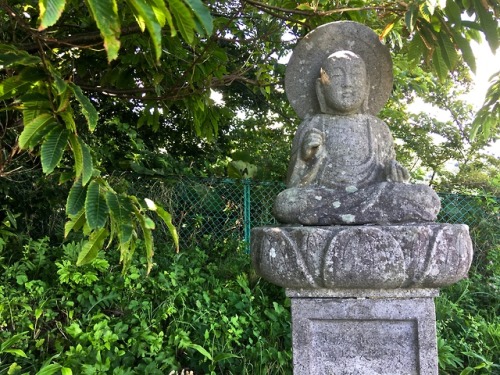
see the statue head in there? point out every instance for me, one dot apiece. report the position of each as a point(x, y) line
point(342, 87)
point(313, 52)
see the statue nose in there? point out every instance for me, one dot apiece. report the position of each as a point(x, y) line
point(347, 81)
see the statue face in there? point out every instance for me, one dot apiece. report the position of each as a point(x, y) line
point(344, 83)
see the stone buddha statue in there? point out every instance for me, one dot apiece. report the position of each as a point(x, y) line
point(343, 168)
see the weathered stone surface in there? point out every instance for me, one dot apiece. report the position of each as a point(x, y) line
point(362, 257)
point(309, 55)
point(342, 168)
point(385, 202)
point(382, 336)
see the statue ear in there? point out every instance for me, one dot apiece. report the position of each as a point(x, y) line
point(364, 107)
point(320, 96)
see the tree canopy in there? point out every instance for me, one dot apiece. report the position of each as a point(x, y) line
point(128, 85)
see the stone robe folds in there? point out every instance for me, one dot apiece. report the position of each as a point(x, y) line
point(339, 173)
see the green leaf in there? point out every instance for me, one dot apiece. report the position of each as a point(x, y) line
point(11, 56)
point(13, 86)
point(439, 65)
point(95, 206)
point(88, 108)
point(53, 148)
point(35, 130)
point(416, 48)
point(167, 219)
point(11, 341)
point(105, 14)
point(411, 17)
point(465, 48)
point(453, 12)
point(91, 248)
point(66, 371)
point(121, 211)
point(88, 167)
point(50, 11)
point(148, 238)
point(17, 352)
point(488, 23)
point(145, 14)
point(202, 14)
point(447, 50)
point(201, 350)
point(49, 369)
point(75, 223)
point(76, 147)
point(183, 20)
point(76, 198)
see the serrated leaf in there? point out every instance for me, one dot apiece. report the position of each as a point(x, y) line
point(16, 57)
point(75, 223)
point(453, 12)
point(167, 219)
point(466, 50)
point(161, 11)
point(77, 155)
point(95, 206)
point(202, 13)
point(35, 130)
point(76, 198)
point(183, 20)
point(13, 86)
point(416, 48)
point(148, 238)
point(105, 14)
point(53, 148)
point(439, 65)
point(91, 248)
point(145, 14)
point(50, 12)
point(411, 18)
point(447, 50)
point(88, 108)
point(488, 23)
point(121, 211)
point(88, 167)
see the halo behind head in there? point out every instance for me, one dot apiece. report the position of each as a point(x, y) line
point(308, 56)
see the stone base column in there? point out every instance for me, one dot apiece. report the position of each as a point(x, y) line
point(364, 332)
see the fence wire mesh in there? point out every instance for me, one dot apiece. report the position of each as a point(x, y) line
point(226, 209)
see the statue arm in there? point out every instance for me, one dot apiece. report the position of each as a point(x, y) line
point(306, 145)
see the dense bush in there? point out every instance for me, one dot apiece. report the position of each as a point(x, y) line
point(201, 310)
point(194, 311)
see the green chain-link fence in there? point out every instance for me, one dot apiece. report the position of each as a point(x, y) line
point(226, 209)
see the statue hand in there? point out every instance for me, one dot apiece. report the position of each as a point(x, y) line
point(396, 172)
point(311, 143)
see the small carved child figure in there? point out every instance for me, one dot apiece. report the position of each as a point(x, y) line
point(343, 168)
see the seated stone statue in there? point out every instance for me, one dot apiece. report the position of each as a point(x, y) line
point(343, 168)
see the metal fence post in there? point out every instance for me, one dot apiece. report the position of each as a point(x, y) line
point(246, 213)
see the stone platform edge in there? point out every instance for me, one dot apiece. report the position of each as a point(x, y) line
point(363, 293)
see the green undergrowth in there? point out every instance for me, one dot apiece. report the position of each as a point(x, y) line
point(199, 310)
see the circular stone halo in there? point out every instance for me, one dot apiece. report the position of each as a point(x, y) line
point(307, 58)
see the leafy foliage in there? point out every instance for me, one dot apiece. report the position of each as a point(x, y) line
point(194, 311)
point(91, 90)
